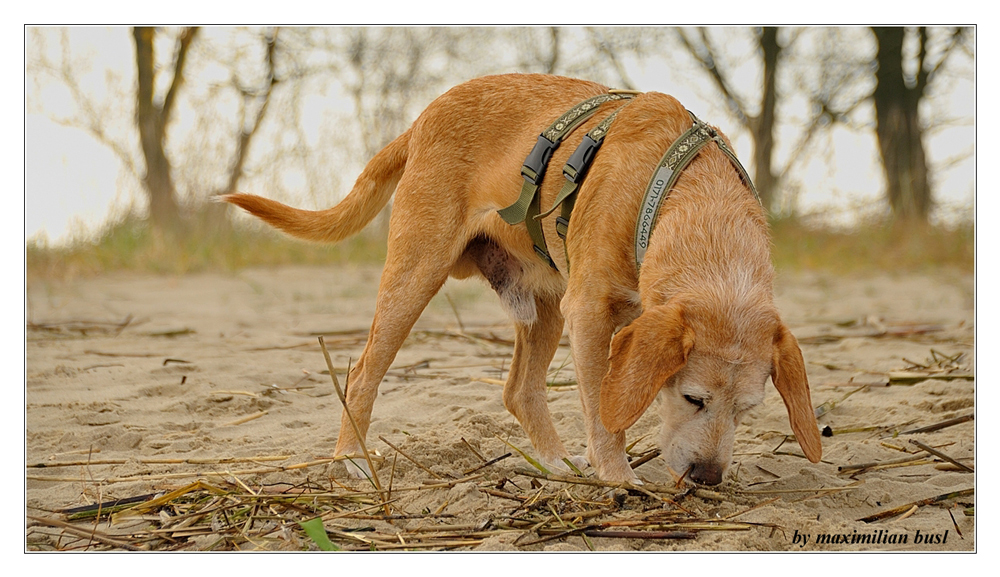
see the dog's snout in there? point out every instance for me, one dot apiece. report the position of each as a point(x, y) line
point(706, 473)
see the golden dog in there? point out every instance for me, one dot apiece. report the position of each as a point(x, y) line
point(697, 326)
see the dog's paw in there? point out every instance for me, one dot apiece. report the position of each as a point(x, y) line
point(622, 477)
point(612, 467)
point(617, 471)
point(357, 468)
point(579, 461)
point(559, 466)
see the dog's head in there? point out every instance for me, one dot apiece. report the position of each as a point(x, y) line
point(708, 372)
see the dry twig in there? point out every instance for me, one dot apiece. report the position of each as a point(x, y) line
point(941, 455)
point(941, 425)
point(357, 432)
point(904, 508)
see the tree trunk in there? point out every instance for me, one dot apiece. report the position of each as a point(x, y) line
point(763, 125)
point(151, 120)
point(900, 136)
point(164, 213)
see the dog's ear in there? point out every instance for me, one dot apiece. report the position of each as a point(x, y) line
point(788, 372)
point(643, 356)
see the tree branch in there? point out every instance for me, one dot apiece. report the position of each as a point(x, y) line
point(707, 60)
point(922, 73)
point(247, 135)
point(148, 121)
point(605, 49)
point(180, 57)
point(825, 114)
point(88, 118)
point(550, 67)
point(953, 42)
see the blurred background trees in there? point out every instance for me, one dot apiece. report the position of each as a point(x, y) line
point(757, 117)
point(147, 144)
point(903, 77)
point(294, 113)
point(152, 119)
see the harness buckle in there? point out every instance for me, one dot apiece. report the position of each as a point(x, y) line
point(562, 227)
point(544, 255)
point(578, 163)
point(534, 165)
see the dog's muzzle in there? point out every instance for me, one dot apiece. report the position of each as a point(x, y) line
point(706, 473)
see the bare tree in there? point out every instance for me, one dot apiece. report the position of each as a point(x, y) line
point(254, 101)
point(892, 71)
point(838, 71)
point(146, 150)
point(898, 93)
point(152, 120)
point(757, 117)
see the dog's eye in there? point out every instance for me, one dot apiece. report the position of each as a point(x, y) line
point(700, 403)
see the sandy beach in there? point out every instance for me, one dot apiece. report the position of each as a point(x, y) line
point(128, 370)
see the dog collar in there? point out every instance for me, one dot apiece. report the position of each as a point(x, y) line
point(677, 157)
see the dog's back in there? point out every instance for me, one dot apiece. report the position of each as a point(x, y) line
point(474, 120)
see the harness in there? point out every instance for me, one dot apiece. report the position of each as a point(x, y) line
point(677, 157)
point(683, 150)
point(527, 208)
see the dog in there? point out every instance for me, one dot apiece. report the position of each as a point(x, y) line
point(697, 327)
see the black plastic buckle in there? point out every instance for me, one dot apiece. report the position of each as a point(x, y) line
point(534, 166)
point(545, 256)
point(562, 227)
point(580, 160)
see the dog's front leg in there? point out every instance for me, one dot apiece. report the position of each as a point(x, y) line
point(591, 327)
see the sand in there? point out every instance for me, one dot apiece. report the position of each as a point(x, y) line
point(131, 368)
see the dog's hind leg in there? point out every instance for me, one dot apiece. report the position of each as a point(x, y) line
point(524, 393)
point(417, 265)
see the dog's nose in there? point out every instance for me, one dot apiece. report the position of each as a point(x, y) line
point(706, 473)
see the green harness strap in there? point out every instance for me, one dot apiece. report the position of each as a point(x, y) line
point(683, 150)
point(678, 156)
point(575, 170)
point(527, 206)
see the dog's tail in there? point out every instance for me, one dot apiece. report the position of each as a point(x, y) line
point(370, 193)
